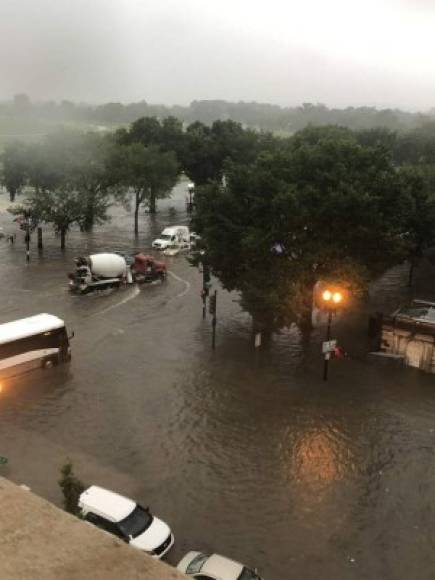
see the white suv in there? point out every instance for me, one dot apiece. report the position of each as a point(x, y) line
point(127, 520)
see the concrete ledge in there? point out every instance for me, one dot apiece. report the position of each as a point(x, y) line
point(386, 358)
point(40, 541)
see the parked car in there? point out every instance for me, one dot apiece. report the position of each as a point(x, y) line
point(204, 567)
point(127, 520)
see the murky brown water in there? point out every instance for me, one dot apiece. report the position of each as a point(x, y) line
point(247, 454)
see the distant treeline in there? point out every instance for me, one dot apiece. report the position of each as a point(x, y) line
point(260, 116)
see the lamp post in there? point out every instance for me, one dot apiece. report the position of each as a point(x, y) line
point(205, 282)
point(191, 190)
point(331, 299)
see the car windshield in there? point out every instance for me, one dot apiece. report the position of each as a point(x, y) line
point(197, 563)
point(136, 523)
point(166, 237)
point(248, 575)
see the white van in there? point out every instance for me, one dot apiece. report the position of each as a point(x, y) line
point(127, 520)
point(173, 237)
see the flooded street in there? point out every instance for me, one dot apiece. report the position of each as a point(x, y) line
point(247, 454)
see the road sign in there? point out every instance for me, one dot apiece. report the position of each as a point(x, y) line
point(3, 460)
point(329, 346)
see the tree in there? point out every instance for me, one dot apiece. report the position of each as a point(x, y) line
point(419, 183)
point(336, 209)
point(146, 171)
point(71, 488)
point(14, 172)
point(208, 149)
point(69, 180)
point(61, 207)
point(89, 156)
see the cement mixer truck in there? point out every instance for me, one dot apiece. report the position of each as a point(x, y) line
point(98, 272)
point(102, 271)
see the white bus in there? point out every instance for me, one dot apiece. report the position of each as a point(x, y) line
point(37, 341)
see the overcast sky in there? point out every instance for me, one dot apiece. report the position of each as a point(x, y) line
point(338, 52)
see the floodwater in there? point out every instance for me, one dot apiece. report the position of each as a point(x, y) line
point(248, 454)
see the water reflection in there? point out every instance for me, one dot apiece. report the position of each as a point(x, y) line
point(316, 462)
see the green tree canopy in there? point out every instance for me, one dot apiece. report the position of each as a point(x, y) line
point(323, 207)
point(14, 168)
point(69, 181)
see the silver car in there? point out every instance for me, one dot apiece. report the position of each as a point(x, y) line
point(205, 567)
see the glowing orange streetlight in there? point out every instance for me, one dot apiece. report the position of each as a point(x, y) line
point(327, 295)
point(337, 297)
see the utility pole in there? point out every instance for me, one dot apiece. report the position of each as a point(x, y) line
point(212, 310)
point(331, 298)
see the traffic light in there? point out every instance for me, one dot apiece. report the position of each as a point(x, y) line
point(212, 304)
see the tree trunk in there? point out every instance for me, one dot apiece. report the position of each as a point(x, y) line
point(153, 208)
point(89, 220)
point(62, 238)
point(12, 194)
point(136, 215)
point(305, 318)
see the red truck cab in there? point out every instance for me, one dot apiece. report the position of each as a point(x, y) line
point(147, 269)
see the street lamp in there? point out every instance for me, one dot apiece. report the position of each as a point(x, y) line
point(191, 191)
point(331, 300)
point(205, 281)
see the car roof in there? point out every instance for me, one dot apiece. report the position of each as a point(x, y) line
point(222, 567)
point(105, 503)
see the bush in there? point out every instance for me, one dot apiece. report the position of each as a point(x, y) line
point(71, 488)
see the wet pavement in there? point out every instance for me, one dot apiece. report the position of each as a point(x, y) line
point(249, 454)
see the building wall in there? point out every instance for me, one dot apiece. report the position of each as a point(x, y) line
point(417, 349)
point(38, 541)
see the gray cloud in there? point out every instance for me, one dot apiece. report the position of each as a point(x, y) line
point(173, 52)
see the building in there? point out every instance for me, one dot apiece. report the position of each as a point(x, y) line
point(409, 333)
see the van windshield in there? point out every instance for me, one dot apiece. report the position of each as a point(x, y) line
point(136, 523)
point(165, 237)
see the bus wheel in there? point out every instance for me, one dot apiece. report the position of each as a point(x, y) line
point(49, 363)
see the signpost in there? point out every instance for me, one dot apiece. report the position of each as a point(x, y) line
point(329, 346)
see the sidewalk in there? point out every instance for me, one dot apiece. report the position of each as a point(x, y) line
point(37, 540)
